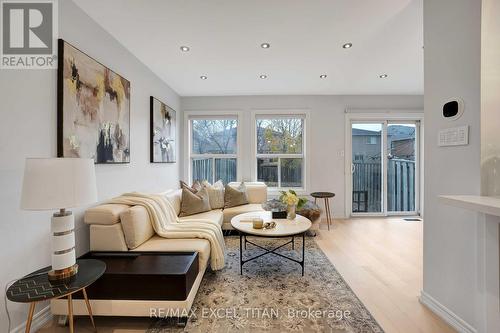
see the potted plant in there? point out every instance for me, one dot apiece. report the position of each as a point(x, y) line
point(293, 202)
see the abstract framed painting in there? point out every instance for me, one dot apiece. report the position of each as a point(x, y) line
point(162, 132)
point(93, 109)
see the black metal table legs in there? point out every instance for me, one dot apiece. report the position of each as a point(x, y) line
point(243, 246)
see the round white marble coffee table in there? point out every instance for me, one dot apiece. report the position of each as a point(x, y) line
point(284, 228)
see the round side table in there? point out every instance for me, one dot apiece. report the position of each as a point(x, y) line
point(326, 196)
point(36, 287)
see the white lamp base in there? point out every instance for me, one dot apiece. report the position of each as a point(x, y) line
point(63, 246)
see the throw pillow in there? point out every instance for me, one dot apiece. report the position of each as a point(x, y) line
point(235, 196)
point(194, 203)
point(186, 186)
point(197, 185)
point(215, 194)
point(193, 188)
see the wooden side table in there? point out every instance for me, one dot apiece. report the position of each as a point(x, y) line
point(36, 287)
point(326, 196)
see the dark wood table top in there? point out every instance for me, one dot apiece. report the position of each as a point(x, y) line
point(322, 194)
point(145, 263)
point(36, 286)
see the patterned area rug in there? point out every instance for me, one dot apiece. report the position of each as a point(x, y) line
point(272, 296)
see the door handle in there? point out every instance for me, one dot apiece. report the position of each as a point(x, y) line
point(353, 167)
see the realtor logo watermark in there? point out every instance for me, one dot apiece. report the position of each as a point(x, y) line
point(29, 34)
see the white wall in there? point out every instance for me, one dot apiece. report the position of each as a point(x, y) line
point(326, 131)
point(490, 161)
point(490, 98)
point(28, 129)
point(452, 39)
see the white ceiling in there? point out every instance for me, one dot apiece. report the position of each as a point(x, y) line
point(306, 38)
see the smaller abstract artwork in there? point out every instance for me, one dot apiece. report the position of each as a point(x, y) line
point(162, 122)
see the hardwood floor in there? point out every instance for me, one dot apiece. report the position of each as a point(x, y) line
point(380, 258)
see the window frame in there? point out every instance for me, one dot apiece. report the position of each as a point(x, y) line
point(285, 113)
point(207, 115)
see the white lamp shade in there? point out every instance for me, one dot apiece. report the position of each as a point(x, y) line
point(55, 183)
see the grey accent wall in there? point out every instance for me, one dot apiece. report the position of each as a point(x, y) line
point(28, 129)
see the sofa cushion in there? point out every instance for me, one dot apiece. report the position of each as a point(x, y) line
point(215, 193)
point(235, 196)
point(160, 244)
point(256, 191)
point(212, 215)
point(136, 226)
point(229, 213)
point(104, 214)
point(194, 203)
point(175, 198)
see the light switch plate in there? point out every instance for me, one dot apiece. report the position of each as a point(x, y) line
point(456, 136)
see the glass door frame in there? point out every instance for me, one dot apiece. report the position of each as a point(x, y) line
point(390, 117)
point(418, 167)
point(383, 168)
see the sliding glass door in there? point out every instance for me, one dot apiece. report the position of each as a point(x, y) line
point(401, 167)
point(384, 168)
point(367, 171)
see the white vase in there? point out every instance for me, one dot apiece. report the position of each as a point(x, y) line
point(291, 212)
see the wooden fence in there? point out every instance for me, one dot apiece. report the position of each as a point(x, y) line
point(367, 186)
point(401, 185)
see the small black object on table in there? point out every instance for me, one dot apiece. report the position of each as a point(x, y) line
point(36, 287)
point(326, 196)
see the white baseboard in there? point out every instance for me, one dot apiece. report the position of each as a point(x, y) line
point(446, 314)
point(39, 319)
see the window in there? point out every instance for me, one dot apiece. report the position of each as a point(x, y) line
point(280, 150)
point(371, 140)
point(213, 151)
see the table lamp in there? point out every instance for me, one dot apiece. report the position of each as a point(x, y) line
point(58, 184)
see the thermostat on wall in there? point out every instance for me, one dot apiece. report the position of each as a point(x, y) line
point(456, 136)
point(453, 109)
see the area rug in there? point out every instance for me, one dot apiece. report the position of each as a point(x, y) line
point(273, 296)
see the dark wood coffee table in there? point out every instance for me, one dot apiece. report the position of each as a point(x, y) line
point(145, 275)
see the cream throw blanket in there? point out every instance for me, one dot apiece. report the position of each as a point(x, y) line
point(166, 223)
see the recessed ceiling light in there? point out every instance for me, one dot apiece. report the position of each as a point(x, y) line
point(323, 76)
point(347, 45)
point(383, 76)
point(265, 45)
point(184, 48)
point(263, 76)
point(203, 77)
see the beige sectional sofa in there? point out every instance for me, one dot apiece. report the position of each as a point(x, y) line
point(115, 227)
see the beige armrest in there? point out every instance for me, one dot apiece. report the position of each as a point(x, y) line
point(107, 238)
